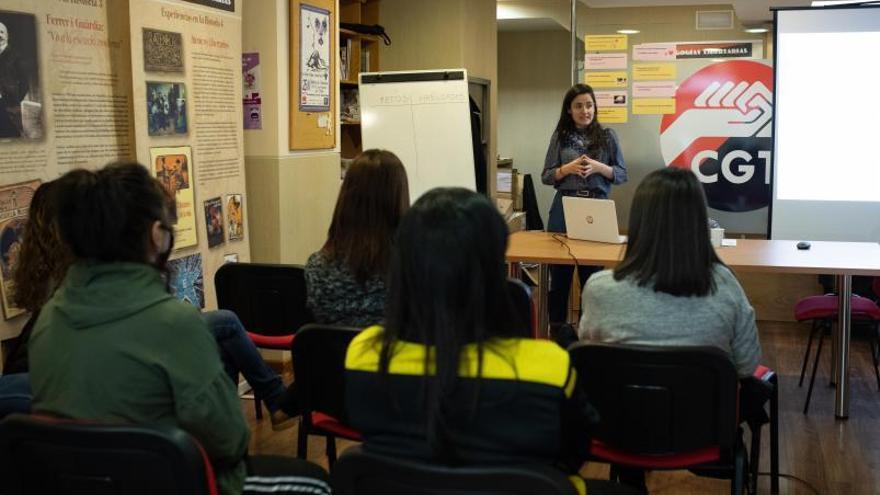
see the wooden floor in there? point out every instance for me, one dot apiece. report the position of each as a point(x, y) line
point(836, 457)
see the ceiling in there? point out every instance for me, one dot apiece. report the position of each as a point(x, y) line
point(520, 15)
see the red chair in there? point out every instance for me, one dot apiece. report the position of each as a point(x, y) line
point(664, 408)
point(270, 301)
point(319, 366)
point(40, 454)
point(822, 310)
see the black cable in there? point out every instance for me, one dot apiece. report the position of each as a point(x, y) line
point(795, 478)
point(561, 240)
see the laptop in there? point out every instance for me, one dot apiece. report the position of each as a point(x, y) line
point(591, 220)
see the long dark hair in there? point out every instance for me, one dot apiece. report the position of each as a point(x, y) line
point(447, 288)
point(43, 258)
point(668, 246)
point(566, 128)
point(373, 198)
point(107, 215)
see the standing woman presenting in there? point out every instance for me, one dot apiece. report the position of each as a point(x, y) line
point(584, 159)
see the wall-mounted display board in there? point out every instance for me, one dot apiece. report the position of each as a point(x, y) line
point(87, 83)
point(312, 74)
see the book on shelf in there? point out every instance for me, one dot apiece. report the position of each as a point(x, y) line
point(350, 110)
point(365, 61)
point(345, 59)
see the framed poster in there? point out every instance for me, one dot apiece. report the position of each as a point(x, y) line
point(235, 217)
point(15, 200)
point(187, 281)
point(214, 221)
point(166, 108)
point(314, 59)
point(163, 51)
point(173, 167)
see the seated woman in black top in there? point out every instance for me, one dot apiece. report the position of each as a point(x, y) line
point(449, 378)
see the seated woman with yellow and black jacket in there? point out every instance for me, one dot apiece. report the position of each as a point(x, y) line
point(451, 378)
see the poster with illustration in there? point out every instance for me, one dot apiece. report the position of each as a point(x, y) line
point(314, 59)
point(14, 203)
point(235, 217)
point(214, 221)
point(250, 91)
point(173, 167)
point(21, 104)
point(163, 51)
point(166, 109)
point(186, 279)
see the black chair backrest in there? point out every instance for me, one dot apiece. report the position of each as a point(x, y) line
point(360, 473)
point(656, 400)
point(521, 297)
point(319, 367)
point(268, 299)
point(44, 455)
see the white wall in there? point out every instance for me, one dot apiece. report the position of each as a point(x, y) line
point(533, 76)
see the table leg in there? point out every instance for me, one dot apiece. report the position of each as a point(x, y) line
point(543, 289)
point(834, 377)
point(514, 270)
point(841, 394)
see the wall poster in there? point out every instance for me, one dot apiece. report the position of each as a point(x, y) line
point(314, 59)
point(250, 90)
point(20, 95)
point(163, 51)
point(187, 279)
point(14, 203)
point(173, 167)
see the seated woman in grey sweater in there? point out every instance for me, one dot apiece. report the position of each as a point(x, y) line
point(346, 278)
point(671, 288)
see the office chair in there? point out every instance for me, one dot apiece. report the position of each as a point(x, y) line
point(270, 301)
point(358, 472)
point(40, 454)
point(664, 408)
point(822, 310)
point(319, 365)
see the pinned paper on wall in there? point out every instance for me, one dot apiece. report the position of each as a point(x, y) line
point(605, 99)
point(601, 61)
point(654, 72)
point(654, 89)
point(616, 79)
point(653, 106)
point(605, 42)
point(650, 52)
point(613, 115)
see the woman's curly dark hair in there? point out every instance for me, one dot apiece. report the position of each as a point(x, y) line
point(43, 259)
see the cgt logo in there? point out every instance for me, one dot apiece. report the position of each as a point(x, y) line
point(722, 131)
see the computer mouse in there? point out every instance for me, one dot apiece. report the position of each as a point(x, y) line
point(803, 245)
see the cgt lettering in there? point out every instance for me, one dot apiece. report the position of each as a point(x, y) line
point(736, 166)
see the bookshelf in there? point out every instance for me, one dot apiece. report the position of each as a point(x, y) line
point(357, 53)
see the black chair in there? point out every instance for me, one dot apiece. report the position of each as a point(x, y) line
point(270, 301)
point(664, 408)
point(521, 297)
point(319, 366)
point(40, 455)
point(360, 473)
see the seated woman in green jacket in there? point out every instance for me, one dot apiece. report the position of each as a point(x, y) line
point(449, 379)
point(112, 345)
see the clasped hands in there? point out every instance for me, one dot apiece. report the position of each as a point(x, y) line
point(585, 166)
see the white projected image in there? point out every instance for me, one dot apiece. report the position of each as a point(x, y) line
point(827, 111)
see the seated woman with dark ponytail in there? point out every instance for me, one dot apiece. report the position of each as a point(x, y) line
point(112, 345)
point(491, 396)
